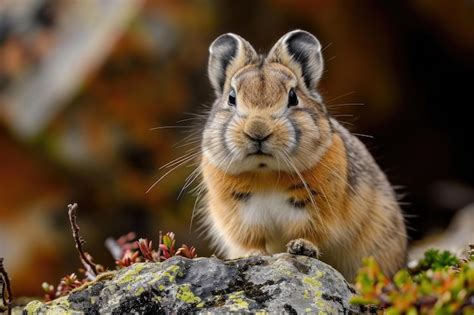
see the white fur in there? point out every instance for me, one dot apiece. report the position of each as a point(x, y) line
point(272, 211)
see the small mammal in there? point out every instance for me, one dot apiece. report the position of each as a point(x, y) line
point(280, 173)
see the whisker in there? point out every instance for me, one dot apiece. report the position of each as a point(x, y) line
point(329, 106)
point(362, 135)
point(346, 123)
point(191, 136)
point(171, 170)
point(178, 160)
point(342, 115)
point(340, 96)
point(169, 127)
point(189, 180)
point(333, 172)
point(310, 195)
point(194, 209)
point(327, 46)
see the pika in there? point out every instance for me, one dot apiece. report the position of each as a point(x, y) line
point(280, 173)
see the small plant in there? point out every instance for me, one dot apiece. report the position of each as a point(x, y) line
point(146, 248)
point(126, 251)
point(440, 284)
point(167, 247)
point(49, 291)
point(129, 258)
point(185, 251)
point(434, 259)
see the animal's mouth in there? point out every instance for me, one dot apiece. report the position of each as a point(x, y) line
point(259, 152)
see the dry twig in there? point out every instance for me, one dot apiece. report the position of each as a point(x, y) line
point(160, 241)
point(6, 288)
point(91, 268)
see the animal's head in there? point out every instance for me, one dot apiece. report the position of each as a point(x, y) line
point(267, 115)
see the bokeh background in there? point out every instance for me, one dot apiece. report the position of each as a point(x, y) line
point(82, 82)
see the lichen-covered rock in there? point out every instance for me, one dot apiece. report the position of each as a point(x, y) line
point(283, 282)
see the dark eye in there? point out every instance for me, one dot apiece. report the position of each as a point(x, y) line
point(231, 100)
point(292, 98)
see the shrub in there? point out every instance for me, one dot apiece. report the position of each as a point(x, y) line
point(439, 284)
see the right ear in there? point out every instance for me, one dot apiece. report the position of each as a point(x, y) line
point(227, 54)
point(300, 51)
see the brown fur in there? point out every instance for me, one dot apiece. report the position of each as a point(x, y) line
point(320, 182)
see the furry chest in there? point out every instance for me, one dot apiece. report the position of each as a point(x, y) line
point(271, 212)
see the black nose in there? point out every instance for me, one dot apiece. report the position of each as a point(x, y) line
point(258, 137)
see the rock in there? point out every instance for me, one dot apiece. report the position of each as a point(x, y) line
point(456, 238)
point(283, 282)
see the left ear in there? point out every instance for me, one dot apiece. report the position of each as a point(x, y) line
point(300, 51)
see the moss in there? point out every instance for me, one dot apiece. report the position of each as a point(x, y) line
point(186, 295)
point(130, 274)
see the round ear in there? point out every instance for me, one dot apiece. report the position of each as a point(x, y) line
point(300, 51)
point(227, 54)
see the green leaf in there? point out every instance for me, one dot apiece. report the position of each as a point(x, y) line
point(167, 241)
point(402, 277)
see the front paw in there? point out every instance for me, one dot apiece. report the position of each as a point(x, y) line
point(302, 247)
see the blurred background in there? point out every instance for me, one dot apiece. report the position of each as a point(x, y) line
point(82, 82)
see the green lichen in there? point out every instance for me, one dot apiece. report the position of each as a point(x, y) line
point(139, 291)
point(161, 280)
point(186, 295)
point(314, 279)
point(323, 306)
point(58, 306)
point(306, 294)
point(62, 301)
point(314, 289)
point(131, 273)
point(33, 307)
point(283, 269)
point(318, 300)
point(237, 302)
point(171, 272)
